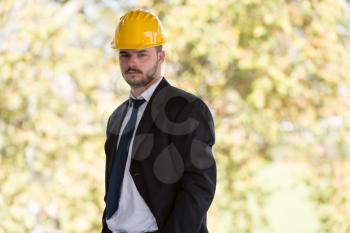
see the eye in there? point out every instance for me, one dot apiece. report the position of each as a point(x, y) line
point(124, 55)
point(141, 55)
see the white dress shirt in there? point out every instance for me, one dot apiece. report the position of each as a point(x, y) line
point(133, 214)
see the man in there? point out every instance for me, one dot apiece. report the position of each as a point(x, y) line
point(160, 172)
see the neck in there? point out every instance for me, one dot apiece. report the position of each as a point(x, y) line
point(137, 91)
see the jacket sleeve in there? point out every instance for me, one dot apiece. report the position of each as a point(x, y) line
point(109, 146)
point(104, 224)
point(197, 185)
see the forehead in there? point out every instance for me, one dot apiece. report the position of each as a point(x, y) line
point(131, 51)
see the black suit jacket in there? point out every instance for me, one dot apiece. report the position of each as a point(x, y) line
point(172, 162)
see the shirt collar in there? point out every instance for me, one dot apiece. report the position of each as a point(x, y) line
point(147, 93)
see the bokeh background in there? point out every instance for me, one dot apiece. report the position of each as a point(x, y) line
point(275, 73)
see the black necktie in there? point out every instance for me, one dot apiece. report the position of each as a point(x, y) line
point(118, 167)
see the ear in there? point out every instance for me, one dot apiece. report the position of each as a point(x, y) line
point(161, 56)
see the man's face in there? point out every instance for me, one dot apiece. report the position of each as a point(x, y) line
point(140, 67)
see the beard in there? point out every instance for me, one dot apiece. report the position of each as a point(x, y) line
point(136, 78)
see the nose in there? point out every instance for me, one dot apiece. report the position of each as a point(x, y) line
point(132, 61)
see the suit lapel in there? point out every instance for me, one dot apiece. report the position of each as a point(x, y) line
point(149, 117)
point(113, 132)
point(118, 118)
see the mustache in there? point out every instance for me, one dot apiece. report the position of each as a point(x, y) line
point(133, 70)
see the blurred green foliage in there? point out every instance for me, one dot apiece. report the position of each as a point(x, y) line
point(275, 74)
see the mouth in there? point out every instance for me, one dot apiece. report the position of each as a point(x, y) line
point(131, 71)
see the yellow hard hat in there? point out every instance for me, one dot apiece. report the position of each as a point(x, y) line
point(138, 29)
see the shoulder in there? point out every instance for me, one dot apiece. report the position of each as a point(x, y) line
point(115, 115)
point(180, 103)
point(175, 96)
point(189, 113)
point(189, 100)
point(119, 110)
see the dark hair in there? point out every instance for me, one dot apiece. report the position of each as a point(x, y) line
point(159, 48)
